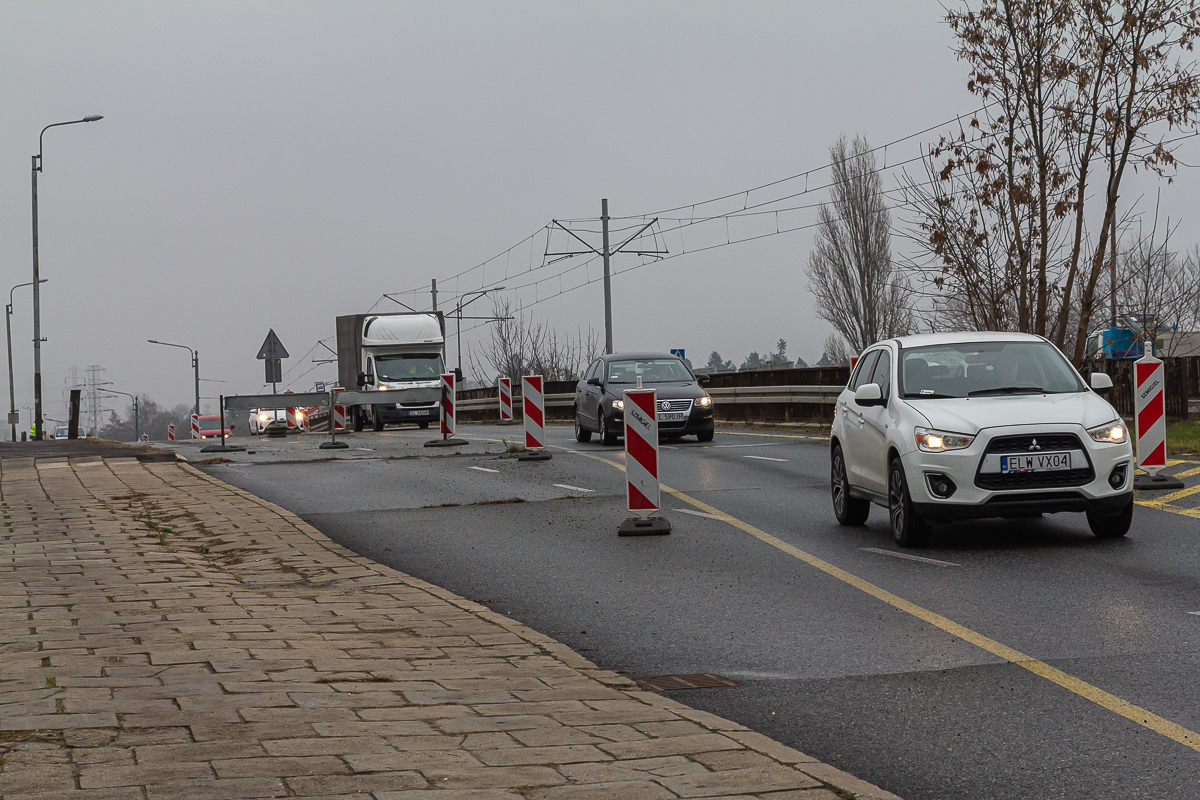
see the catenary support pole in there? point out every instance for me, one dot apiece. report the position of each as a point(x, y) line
point(608, 331)
point(37, 318)
point(434, 290)
point(196, 367)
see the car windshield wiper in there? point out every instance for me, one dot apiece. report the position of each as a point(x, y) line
point(1008, 390)
point(929, 396)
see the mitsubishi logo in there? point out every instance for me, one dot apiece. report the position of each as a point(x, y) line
point(664, 405)
point(1034, 445)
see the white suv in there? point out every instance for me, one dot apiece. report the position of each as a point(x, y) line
point(950, 426)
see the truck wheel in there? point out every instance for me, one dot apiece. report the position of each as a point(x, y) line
point(423, 425)
point(376, 419)
point(357, 418)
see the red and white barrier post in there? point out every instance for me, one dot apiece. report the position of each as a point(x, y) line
point(195, 426)
point(506, 410)
point(339, 418)
point(337, 422)
point(641, 464)
point(533, 409)
point(171, 432)
point(145, 437)
point(291, 419)
point(449, 415)
point(1150, 423)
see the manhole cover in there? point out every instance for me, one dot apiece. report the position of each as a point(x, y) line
point(700, 680)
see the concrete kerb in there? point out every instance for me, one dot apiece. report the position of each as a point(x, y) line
point(133, 474)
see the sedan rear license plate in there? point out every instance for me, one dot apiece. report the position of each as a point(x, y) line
point(672, 416)
point(1038, 462)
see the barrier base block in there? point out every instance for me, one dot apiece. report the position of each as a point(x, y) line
point(446, 443)
point(535, 455)
point(1152, 483)
point(222, 448)
point(333, 446)
point(635, 526)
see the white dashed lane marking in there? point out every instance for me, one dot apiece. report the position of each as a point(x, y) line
point(922, 559)
point(697, 513)
point(484, 469)
point(765, 458)
point(569, 487)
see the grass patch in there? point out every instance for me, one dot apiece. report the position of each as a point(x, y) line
point(498, 502)
point(1183, 437)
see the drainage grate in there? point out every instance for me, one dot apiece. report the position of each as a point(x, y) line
point(701, 680)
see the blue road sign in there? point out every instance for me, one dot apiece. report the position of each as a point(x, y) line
point(320, 386)
point(678, 351)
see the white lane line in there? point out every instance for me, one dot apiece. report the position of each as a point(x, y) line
point(697, 513)
point(922, 559)
point(765, 458)
point(1193, 613)
point(484, 469)
point(572, 488)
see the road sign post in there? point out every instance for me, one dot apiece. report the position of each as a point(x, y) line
point(641, 465)
point(1150, 423)
point(533, 410)
point(271, 352)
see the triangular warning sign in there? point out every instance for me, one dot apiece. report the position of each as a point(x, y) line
point(272, 348)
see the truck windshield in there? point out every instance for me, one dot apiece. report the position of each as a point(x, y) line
point(408, 367)
point(986, 368)
point(650, 370)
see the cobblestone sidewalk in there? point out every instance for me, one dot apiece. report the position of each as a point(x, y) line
point(164, 635)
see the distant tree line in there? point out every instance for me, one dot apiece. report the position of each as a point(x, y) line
point(152, 420)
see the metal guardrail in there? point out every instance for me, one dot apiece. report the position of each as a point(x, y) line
point(721, 395)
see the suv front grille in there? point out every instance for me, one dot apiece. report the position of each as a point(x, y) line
point(1046, 443)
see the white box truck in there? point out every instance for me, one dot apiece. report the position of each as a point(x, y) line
point(393, 352)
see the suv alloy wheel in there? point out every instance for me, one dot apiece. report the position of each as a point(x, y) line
point(908, 528)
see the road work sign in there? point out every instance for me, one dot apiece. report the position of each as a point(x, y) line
point(449, 412)
point(533, 406)
point(195, 426)
point(1150, 406)
point(170, 433)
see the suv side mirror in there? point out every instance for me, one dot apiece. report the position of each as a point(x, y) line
point(1100, 382)
point(702, 377)
point(594, 382)
point(869, 394)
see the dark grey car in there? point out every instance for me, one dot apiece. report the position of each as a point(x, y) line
point(683, 406)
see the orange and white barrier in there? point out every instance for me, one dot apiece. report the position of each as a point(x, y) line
point(339, 418)
point(1150, 418)
point(533, 407)
point(195, 426)
point(641, 450)
point(171, 433)
point(449, 413)
point(506, 413)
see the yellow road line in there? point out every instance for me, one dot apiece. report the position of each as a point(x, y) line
point(1117, 705)
point(1187, 473)
point(1179, 495)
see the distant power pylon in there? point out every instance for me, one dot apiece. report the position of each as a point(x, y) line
point(92, 403)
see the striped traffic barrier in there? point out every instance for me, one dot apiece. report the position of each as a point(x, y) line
point(145, 437)
point(1150, 423)
point(449, 415)
point(195, 426)
point(533, 410)
point(641, 464)
point(291, 419)
point(339, 418)
point(171, 433)
point(506, 411)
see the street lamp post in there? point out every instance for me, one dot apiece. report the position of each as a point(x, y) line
point(137, 429)
point(12, 393)
point(458, 309)
point(37, 295)
point(195, 366)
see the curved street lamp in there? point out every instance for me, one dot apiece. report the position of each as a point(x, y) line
point(37, 295)
point(195, 365)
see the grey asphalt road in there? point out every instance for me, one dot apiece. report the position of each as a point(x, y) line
point(823, 666)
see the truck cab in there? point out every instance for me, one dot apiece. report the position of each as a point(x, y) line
point(393, 352)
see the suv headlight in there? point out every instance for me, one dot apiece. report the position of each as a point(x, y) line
point(619, 405)
point(1111, 432)
point(704, 401)
point(932, 441)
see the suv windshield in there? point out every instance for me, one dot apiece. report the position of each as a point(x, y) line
point(986, 368)
point(650, 370)
point(408, 367)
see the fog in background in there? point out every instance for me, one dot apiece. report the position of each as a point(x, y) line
point(273, 165)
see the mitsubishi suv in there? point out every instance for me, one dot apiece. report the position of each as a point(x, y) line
point(953, 426)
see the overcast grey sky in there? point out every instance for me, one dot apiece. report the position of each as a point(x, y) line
point(272, 165)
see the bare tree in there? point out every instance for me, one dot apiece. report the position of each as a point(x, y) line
point(519, 347)
point(857, 287)
point(1075, 92)
point(1159, 288)
point(836, 353)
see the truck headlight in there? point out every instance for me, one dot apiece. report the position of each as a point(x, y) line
point(619, 405)
point(932, 441)
point(704, 401)
point(1111, 432)
point(263, 417)
point(383, 387)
